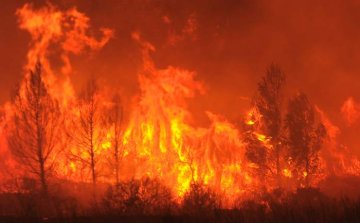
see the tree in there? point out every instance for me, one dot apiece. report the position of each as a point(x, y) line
point(257, 153)
point(34, 132)
point(116, 117)
point(264, 139)
point(304, 140)
point(88, 130)
point(189, 153)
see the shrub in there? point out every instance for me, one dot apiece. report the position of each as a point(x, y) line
point(146, 196)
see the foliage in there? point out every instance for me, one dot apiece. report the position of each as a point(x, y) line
point(304, 140)
point(265, 153)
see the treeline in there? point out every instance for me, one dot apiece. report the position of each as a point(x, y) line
point(40, 132)
point(277, 136)
point(147, 200)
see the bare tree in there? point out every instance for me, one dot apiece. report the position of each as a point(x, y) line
point(34, 132)
point(189, 154)
point(116, 118)
point(87, 130)
point(304, 139)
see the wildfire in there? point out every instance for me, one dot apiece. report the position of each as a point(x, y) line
point(158, 140)
point(337, 157)
point(49, 26)
point(158, 132)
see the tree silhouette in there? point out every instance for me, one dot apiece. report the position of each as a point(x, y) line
point(304, 140)
point(267, 105)
point(257, 153)
point(116, 118)
point(199, 200)
point(144, 196)
point(34, 132)
point(88, 130)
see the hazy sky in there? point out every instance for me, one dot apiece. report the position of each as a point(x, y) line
point(229, 43)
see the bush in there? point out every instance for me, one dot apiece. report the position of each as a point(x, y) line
point(200, 200)
point(138, 197)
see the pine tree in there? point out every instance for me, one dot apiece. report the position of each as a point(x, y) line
point(304, 140)
point(264, 138)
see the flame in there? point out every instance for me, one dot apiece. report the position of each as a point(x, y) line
point(338, 158)
point(250, 122)
point(287, 173)
point(159, 140)
point(49, 26)
point(350, 110)
point(159, 132)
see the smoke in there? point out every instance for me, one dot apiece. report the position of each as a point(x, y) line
point(189, 30)
point(350, 111)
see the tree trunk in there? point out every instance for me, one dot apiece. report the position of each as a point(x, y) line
point(93, 168)
point(278, 169)
point(41, 161)
point(117, 161)
point(39, 142)
point(43, 179)
point(307, 167)
point(92, 152)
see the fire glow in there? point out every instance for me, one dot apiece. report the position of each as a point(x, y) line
point(157, 139)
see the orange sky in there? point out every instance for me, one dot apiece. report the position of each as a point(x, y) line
point(228, 43)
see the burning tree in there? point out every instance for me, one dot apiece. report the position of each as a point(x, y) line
point(304, 140)
point(33, 134)
point(257, 153)
point(264, 144)
point(88, 130)
point(116, 117)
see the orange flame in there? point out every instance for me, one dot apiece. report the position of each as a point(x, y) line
point(159, 140)
point(68, 29)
